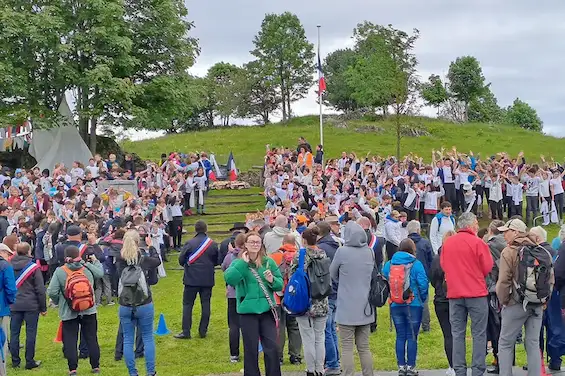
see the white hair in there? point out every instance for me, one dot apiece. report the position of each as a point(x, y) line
point(413, 227)
point(539, 232)
point(466, 220)
point(562, 233)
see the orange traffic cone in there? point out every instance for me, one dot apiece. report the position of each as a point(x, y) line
point(543, 373)
point(59, 336)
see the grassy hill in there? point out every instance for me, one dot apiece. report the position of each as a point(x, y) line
point(362, 137)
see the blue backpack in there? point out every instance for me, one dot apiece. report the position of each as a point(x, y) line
point(296, 301)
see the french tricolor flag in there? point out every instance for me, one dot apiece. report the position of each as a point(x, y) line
point(231, 168)
point(322, 80)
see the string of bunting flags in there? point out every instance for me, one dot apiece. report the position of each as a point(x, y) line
point(15, 136)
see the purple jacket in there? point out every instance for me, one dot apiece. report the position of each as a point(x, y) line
point(230, 257)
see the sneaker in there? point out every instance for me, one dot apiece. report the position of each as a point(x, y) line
point(450, 372)
point(554, 367)
point(411, 371)
point(96, 371)
point(401, 370)
point(333, 372)
point(111, 303)
point(295, 360)
point(73, 373)
point(234, 359)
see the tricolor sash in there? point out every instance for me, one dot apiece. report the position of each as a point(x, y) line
point(200, 250)
point(82, 248)
point(373, 241)
point(28, 271)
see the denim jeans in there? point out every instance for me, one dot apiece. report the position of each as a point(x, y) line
point(407, 320)
point(332, 345)
point(31, 318)
point(142, 317)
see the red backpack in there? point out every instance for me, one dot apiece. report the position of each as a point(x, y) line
point(399, 282)
point(78, 290)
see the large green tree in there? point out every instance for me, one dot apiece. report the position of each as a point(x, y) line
point(485, 108)
point(524, 116)
point(466, 80)
point(259, 96)
point(284, 51)
point(434, 92)
point(224, 85)
point(339, 93)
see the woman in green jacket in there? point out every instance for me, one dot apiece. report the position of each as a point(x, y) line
point(256, 277)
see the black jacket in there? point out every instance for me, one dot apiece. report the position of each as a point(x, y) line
point(149, 262)
point(31, 294)
point(201, 272)
point(437, 279)
point(3, 227)
point(224, 246)
point(424, 251)
point(330, 246)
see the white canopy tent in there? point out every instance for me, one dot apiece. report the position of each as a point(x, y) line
point(61, 144)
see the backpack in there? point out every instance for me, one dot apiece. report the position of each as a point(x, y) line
point(399, 284)
point(535, 265)
point(379, 291)
point(132, 287)
point(296, 300)
point(319, 276)
point(78, 290)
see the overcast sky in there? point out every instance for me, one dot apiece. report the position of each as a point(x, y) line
point(520, 43)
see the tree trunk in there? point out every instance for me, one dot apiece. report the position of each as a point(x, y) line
point(93, 127)
point(398, 136)
point(438, 107)
point(289, 113)
point(385, 112)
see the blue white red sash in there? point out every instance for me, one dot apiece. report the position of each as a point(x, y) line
point(373, 241)
point(29, 270)
point(82, 248)
point(200, 250)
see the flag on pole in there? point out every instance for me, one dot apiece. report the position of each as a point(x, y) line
point(231, 168)
point(322, 80)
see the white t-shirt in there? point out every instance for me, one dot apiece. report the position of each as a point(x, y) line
point(544, 188)
point(447, 175)
point(556, 184)
point(93, 170)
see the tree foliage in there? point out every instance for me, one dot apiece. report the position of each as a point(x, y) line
point(434, 92)
point(286, 55)
point(485, 108)
point(259, 94)
point(524, 116)
point(339, 93)
point(466, 80)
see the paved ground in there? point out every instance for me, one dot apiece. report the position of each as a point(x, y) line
point(517, 372)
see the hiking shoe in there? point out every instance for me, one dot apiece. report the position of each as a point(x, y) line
point(234, 359)
point(411, 371)
point(401, 370)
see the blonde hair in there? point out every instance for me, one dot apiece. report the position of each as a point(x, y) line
point(130, 249)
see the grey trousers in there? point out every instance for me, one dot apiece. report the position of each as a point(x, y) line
point(313, 334)
point(477, 310)
point(532, 207)
point(103, 288)
point(360, 335)
point(426, 316)
point(288, 324)
point(513, 318)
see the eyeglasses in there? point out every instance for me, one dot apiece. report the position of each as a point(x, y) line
point(255, 244)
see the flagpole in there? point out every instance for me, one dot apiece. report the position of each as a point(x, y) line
point(320, 93)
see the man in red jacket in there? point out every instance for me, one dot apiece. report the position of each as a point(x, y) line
point(467, 261)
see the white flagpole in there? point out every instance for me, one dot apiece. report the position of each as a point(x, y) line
point(320, 93)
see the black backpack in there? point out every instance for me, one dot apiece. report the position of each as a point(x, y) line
point(320, 279)
point(535, 266)
point(380, 290)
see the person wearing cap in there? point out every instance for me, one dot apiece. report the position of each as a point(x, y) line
point(515, 315)
point(238, 228)
point(199, 256)
point(466, 261)
point(469, 199)
point(8, 293)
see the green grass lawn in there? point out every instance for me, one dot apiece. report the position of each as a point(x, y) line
point(248, 143)
point(211, 355)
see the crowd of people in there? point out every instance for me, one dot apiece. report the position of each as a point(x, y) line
point(95, 235)
point(369, 214)
point(355, 229)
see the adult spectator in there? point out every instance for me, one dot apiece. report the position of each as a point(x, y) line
point(85, 320)
point(8, 293)
point(424, 253)
point(352, 268)
point(516, 313)
point(302, 143)
point(238, 228)
point(443, 222)
point(466, 261)
point(330, 246)
point(373, 243)
point(199, 256)
point(496, 243)
point(3, 221)
point(273, 239)
point(30, 302)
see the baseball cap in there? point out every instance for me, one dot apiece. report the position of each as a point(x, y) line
point(514, 224)
point(73, 230)
point(301, 219)
point(332, 219)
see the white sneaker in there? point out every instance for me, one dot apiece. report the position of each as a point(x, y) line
point(450, 372)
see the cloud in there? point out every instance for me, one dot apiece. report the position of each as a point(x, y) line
point(518, 42)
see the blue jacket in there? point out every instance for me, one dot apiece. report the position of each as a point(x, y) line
point(424, 251)
point(8, 289)
point(418, 278)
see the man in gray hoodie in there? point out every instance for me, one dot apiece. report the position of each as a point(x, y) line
point(352, 267)
point(273, 240)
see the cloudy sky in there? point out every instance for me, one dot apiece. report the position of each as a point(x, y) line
point(520, 43)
